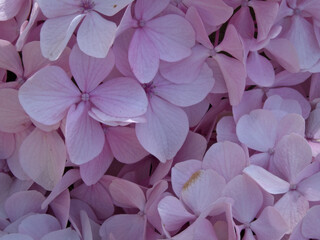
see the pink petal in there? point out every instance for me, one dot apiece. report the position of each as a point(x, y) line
point(196, 112)
point(48, 94)
point(92, 171)
point(310, 223)
point(61, 234)
point(247, 197)
point(127, 194)
point(9, 30)
point(226, 130)
point(96, 35)
point(187, 69)
point(47, 151)
point(96, 198)
point(53, 9)
point(275, 102)
point(32, 201)
point(258, 130)
point(62, 29)
point(173, 214)
point(227, 158)
point(84, 136)
point(198, 193)
point(146, 10)
point(269, 225)
point(260, 70)
point(165, 130)
point(110, 8)
point(125, 145)
point(284, 52)
point(88, 71)
point(143, 56)
point(120, 97)
point(9, 9)
point(16, 236)
point(182, 172)
point(243, 22)
point(38, 225)
point(309, 187)
point(7, 145)
point(9, 58)
point(61, 207)
point(123, 227)
point(313, 125)
point(172, 36)
point(292, 207)
point(13, 118)
point(266, 13)
point(267, 180)
point(234, 77)
point(291, 123)
point(292, 155)
point(185, 94)
point(285, 78)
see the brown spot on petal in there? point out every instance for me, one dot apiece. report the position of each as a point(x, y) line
point(191, 180)
point(114, 6)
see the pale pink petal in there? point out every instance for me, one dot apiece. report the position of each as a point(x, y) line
point(269, 225)
point(202, 189)
point(185, 70)
point(110, 8)
point(9, 9)
point(284, 52)
point(88, 71)
point(47, 151)
point(172, 36)
point(143, 56)
point(165, 130)
point(127, 194)
point(53, 9)
point(98, 199)
point(243, 22)
point(146, 10)
point(67, 233)
point(13, 118)
point(96, 35)
point(291, 123)
point(258, 130)
point(310, 188)
point(61, 207)
point(226, 130)
point(313, 125)
point(247, 197)
point(185, 94)
point(292, 207)
point(68, 178)
point(196, 112)
point(48, 94)
point(290, 93)
point(9, 58)
point(120, 97)
point(267, 180)
point(260, 70)
point(92, 171)
point(227, 158)
point(310, 223)
point(38, 225)
point(7, 145)
point(250, 100)
point(32, 201)
point(56, 33)
point(213, 12)
point(292, 155)
point(285, 78)
point(275, 102)
point(266, 13)
point(16, 236)
point(125, 145)
point(173, 214)
point(232, 43)
point(9, 30)
point(84, 136)
point(234, 77)
point(123, 227)
point(182, 172)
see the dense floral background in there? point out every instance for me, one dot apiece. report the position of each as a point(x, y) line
point(159, 119)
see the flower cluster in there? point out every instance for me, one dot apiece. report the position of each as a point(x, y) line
point(159, 119)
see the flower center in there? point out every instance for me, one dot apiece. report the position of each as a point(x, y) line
point(86, 5)
point(148, 88)
point(293, 187)
point(296, 11)
point(271, 151)
point(85, 97)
